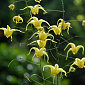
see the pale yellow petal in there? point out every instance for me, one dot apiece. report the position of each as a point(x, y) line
point(31, 7)
point(68, 52)
point(80, 46)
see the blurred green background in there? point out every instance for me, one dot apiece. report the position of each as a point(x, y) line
point(22, 66)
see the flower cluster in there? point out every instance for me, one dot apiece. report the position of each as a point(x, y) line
point(43, 37)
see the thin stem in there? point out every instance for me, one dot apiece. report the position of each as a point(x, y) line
point(57, 48)
point(75, 20)
point(57, 51)
point(56, 10)
point(42, 73)
point(52, 53)
point(26, 4)
point(17, 1)
point(57, 80)
point(63, 8)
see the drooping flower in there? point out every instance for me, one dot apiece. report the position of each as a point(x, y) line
point(18, 19)
point(11, 6)
point(74, 49)
point(41, 43)
point(79, 62)
point(83, 23)
point(65, 25)
point(71, 69)
point(38, 1)
point(55, 70)
point(57, 29)
point(37, 23)
point(8, 31)
point(34, 9)
point(42, 35)
point(39, 52)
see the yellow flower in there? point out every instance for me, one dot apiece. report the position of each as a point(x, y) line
point(41, 43)
point(83, 23)
point(64, 25)
point(34, 9)
point(8, 32)
point(38, 1)
point(71, 69)
point(57, 30)
point(55, 70)
point(37, 23)
point(74, 49)
point(11, 6)
point(18, 19)
point(39, 52)
point(42, 35)
point(79, 62)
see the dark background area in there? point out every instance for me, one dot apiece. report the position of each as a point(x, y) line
point(9, 51)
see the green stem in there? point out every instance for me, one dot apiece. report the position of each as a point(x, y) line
point(57, 51)
point(57, 80)
point(42, 73)
point(28, 8)
point(57, 48)
point(63, 8)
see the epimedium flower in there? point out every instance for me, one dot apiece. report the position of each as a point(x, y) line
point(8, 31)
point(55, 70)
point(18, 19)
point(37, 23)
point(39, 52)
point(71, 69)
point(38, 1)
point(65, 25)
point(34, 9)
point(74, 49)
point(56, 29)
point(83, 23)
point(42, 35)
point(79, 62)
point(41, 43)
point(11, 6)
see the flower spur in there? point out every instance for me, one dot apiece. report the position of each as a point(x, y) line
point(74, 49)
point(42, 35)
point(55, 70)
point(41, 43)
point(37, 23)
point(34, 9)
point(39, 53)
point(8, 32)
point(65, 25)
